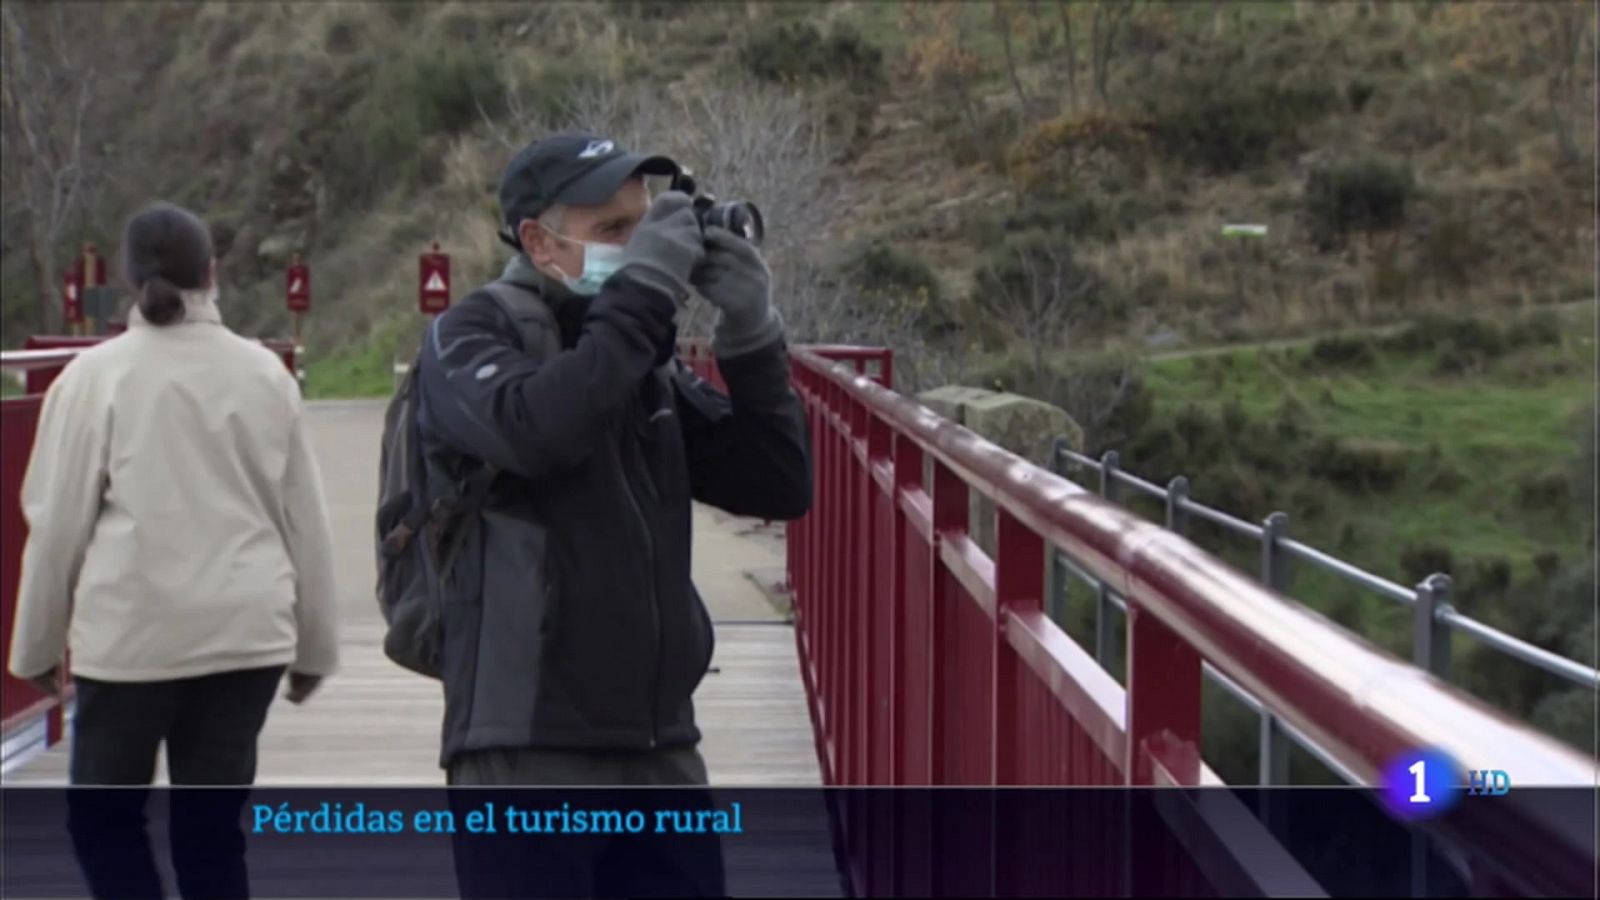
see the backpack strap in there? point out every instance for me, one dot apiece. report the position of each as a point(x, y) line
point(539, 334)
point(536, 325)
point(472, 501)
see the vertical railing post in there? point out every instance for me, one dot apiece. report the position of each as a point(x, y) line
point(907, 477)
point(1018, 588)
point(1055, 588)
point(1164, 674)
point(951, 503)
point(1430, 636)
point(1273, 744)
point(1430, 649)
point(1274, 563)
point(1177, 496)
point(1103, 634)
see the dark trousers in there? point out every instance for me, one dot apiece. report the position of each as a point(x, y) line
point(209, 725)
point(644, 865)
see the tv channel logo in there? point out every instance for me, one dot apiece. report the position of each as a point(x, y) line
point(1423, 783)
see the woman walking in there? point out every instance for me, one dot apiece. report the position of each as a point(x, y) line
point(179, 546)
point(178, 539)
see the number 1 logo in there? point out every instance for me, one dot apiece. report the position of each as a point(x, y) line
point(1420, 769)
point(1421, 782)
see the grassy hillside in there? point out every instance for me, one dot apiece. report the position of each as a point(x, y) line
point(1468, 438)
point(332, 130)
point(1461, 445)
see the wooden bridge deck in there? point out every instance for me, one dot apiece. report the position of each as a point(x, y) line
point(375, 723)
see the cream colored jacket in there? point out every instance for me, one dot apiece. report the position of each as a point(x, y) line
point(176, 518)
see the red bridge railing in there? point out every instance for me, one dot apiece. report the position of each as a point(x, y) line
point(927, 662)
point(22, 707)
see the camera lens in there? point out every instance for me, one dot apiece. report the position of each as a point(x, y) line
point(740, 217)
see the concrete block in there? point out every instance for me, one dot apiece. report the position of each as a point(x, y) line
point(1023, 425)
point(952, 400)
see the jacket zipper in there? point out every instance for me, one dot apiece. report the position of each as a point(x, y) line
point(655, 600)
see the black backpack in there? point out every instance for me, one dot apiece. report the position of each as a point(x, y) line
point(414, 517)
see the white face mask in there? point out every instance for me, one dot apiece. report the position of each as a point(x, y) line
point(600, 262)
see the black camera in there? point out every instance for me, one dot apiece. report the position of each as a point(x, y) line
point(738, 216)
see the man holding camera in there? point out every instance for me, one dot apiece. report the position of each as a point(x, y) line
point(572, 636)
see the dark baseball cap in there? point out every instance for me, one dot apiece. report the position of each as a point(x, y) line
point(574, 168)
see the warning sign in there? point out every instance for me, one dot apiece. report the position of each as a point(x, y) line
point(72, 298)
point(433, 282)
point(298, 288)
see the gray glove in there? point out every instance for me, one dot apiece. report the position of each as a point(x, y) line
point(666, 246)
point(736, 280)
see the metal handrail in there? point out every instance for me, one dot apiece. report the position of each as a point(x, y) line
point(23, 361)
point(1553, 663)
point(1434, 616)
point(28, 360)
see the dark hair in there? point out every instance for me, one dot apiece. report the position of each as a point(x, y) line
point(165, 249)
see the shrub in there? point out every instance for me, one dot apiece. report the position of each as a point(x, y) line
point(448, 86)
point(1540, 329)
point(790, 52)
point(884, 268)
point(1364, 196)
point(1225, 120)
point(1358, 92)
point(1486, 577)
point(1308, 502)
point(1418, 561)
point(1452, 249)
point(1358, 465)
point(1236, 491)
point(1158, 450)
point(1583, 462)
point(1072, 217)
point(1056, 151)
point(1446, 478)
point(1034, 281)
point(1234, 418)
point(986, 144)
point(1457, 356)
point(1336, 352)
point(341, 38)
point(1205, 438)
point(1462, 343)
point(413, 96)
point(1549, 491)
point(646, 10)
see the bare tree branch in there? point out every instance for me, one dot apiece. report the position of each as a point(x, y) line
point(46, 141)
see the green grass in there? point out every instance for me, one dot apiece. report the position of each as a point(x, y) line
point(364, 371)
point(1497, 428)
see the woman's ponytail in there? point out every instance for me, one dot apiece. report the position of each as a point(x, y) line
point(159, 302)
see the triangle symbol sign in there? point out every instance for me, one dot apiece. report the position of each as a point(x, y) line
point(435, 283)
point(296, 287)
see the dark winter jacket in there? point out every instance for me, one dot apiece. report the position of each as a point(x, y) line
point(569, 619)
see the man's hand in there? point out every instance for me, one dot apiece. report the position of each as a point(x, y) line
point(49, 682)
point(301, 686)
point(666, 246)
point(736, 280)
